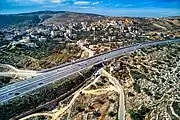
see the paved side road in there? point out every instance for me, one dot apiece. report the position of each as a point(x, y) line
point(115, 82)
point(17, 72)
point(20, 88)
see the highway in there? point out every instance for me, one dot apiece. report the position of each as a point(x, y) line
point(51, 75)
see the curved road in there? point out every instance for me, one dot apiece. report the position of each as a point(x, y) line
point(51, 75)
point(114, 81)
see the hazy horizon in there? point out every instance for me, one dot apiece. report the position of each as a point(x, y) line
point(132, 8)
point(89, 13)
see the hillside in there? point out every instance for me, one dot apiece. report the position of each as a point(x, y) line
point(34, 18)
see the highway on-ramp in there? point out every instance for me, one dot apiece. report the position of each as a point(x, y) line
point(51, 75)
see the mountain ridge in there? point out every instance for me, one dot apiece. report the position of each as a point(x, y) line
point(36, 17)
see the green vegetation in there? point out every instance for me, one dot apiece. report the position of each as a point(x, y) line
point(41, 96)
point(111, 100)
point(112, 114)
point(137, 88)
point(96, 113)
point(176, 107)
point(147, 91)
point(131, 94)
point(137, 75)
point(80, 108)
point(139, 114)
point(99, 83)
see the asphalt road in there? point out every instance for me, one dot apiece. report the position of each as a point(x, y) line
point(115, 82)
point(51, 75)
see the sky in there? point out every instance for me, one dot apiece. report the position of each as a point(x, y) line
point(136, 8)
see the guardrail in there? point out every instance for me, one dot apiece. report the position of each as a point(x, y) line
point(20, 88)
point(80, 60)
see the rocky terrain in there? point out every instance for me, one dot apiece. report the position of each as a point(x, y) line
point(150, 78)
point(44, 39)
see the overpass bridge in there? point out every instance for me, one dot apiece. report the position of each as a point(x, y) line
point(14, 72)
point(53, 74)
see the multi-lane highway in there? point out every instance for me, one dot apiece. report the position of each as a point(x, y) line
point(49, 76)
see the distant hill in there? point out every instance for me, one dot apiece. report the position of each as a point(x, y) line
point(45, 17)
point(6, 20)
point(42, 12)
